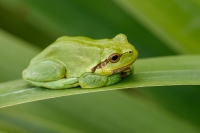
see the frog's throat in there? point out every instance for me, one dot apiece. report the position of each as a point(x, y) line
point(104, 63)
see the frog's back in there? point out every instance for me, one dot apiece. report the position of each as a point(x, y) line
point(65, 43)
point(84, 40)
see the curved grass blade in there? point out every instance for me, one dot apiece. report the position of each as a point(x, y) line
point(163, 71)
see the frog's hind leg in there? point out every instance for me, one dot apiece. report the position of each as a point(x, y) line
point(50, 74)
point(46, 70)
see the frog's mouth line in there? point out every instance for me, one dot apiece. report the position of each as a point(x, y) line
point(118, 70)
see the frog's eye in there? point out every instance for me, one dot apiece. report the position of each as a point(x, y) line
point(114, 57)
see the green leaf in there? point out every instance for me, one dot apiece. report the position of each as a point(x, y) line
point(148, 72)
point(176, 22)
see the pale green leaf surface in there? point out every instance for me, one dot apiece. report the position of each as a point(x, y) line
point(176, 22)
point(168, 63)
point(179, 73)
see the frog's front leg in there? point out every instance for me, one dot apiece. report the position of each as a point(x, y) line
point(127, 72)
point(92, 80)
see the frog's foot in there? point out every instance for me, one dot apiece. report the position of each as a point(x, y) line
point(126, 72)
point(92, 80)
point(58, 84)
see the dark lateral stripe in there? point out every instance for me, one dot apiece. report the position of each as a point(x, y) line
point(100, 65)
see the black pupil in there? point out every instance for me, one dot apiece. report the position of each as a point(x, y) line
point(115, 57)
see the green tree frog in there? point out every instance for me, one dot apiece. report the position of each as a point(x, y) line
point(81, 61)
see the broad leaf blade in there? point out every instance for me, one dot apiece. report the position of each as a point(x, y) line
point(181, 62)
point(183, 73)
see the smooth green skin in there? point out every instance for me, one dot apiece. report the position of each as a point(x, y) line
point(68, 63)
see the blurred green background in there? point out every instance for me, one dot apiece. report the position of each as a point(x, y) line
point(155, 28)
